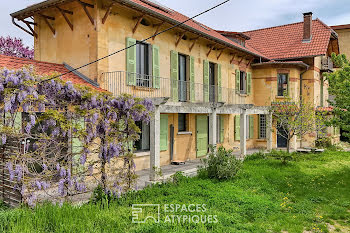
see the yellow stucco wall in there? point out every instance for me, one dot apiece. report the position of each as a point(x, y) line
point(344, 41)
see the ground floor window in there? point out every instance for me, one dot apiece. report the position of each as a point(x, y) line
point(182, 122)
point(143, 144)
point(262, 126)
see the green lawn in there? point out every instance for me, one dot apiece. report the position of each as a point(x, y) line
point(310, 194)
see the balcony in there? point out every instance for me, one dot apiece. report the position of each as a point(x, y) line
point(326, 63)
point(147, 86)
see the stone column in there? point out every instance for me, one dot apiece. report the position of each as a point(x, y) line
point(212, 127)
point(155, 145)
point(269, 131)
point(243, 133)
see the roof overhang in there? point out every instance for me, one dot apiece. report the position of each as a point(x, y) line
point(31, 10)
point(296, 63)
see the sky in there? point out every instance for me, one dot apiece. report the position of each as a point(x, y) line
point(236, 15)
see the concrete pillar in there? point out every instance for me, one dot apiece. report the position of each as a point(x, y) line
point(269, 131)
point(212, 127)
point(243, 133)
point(155, 145)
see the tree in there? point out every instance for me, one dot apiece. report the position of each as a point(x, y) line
point(52, 115)
point(339, 89)
point(292, 118)
point(14, 47)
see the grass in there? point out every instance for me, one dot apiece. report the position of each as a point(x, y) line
point(310, 194)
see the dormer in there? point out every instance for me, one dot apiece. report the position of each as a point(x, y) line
point(237, 37)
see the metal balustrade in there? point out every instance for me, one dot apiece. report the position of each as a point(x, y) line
point(148, 86)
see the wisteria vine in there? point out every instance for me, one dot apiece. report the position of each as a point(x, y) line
point(69, 136)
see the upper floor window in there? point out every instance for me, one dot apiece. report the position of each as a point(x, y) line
point(282, 84)
point(143, 64)
point(242, 82)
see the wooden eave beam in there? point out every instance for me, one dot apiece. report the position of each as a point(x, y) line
point(28, 22)
point(28, 25)
point(211, 49)
point(85, 5)
point(63, 13)
point(46, 19)
point(233, 58)
point(140, 18)
point(25, 30)
point(179, 39)
point(250, 62)
point(194, 42)
point(241, 60)
point(107, 12)
point(221, 52)
point(157, 29)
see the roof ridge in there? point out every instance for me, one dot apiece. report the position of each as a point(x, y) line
point(283, 25)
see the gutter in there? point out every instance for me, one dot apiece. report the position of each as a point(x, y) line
point(50, 3)
point(142, 8)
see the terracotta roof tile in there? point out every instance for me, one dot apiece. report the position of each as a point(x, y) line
point(285, 42)
point(43, 68)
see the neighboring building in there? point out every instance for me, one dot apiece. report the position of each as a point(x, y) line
point(209, 87)
point(343, 32)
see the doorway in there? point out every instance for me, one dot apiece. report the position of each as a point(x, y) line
point(202, 135)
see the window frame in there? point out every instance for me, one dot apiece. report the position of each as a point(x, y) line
point(141, 125)
point(187, 76)
point(185, 119)
point(143, 58)
point(284, 90)
point(242, 82)
point(262, 126)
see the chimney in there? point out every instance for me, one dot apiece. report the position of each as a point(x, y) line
point(307, 35)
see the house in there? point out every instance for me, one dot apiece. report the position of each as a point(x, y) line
point(209, 86)
point(343, 32)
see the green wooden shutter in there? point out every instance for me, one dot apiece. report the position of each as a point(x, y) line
point(249, 83)
point(238, 80)
point(131, 61)
point(156, 66)
point(202, 135)
point(205, 81)
point(219, 77)
point(237, 127)
point(192, 77)
point(222, 128)
point(251, 126)
point(163, 132)
point(174, 74)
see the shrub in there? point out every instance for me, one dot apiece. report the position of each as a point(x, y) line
point(324, 142)
point(220, 164)
point(284, 156)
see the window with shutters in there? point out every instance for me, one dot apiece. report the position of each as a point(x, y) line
point(143, 64)
point(182, 122)
point(262, 126)
point(143, 144)
point(282, 84)
point(243, 82)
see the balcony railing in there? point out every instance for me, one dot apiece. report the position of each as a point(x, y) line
point(326, 63)
point(147, 86)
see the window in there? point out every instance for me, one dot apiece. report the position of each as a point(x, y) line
point(143, 144)
point(143, 61)
point(262, 126)
point(212, 83)
point(282, 84)
point(182, 78)
point(182, 122)
point(242, 82)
